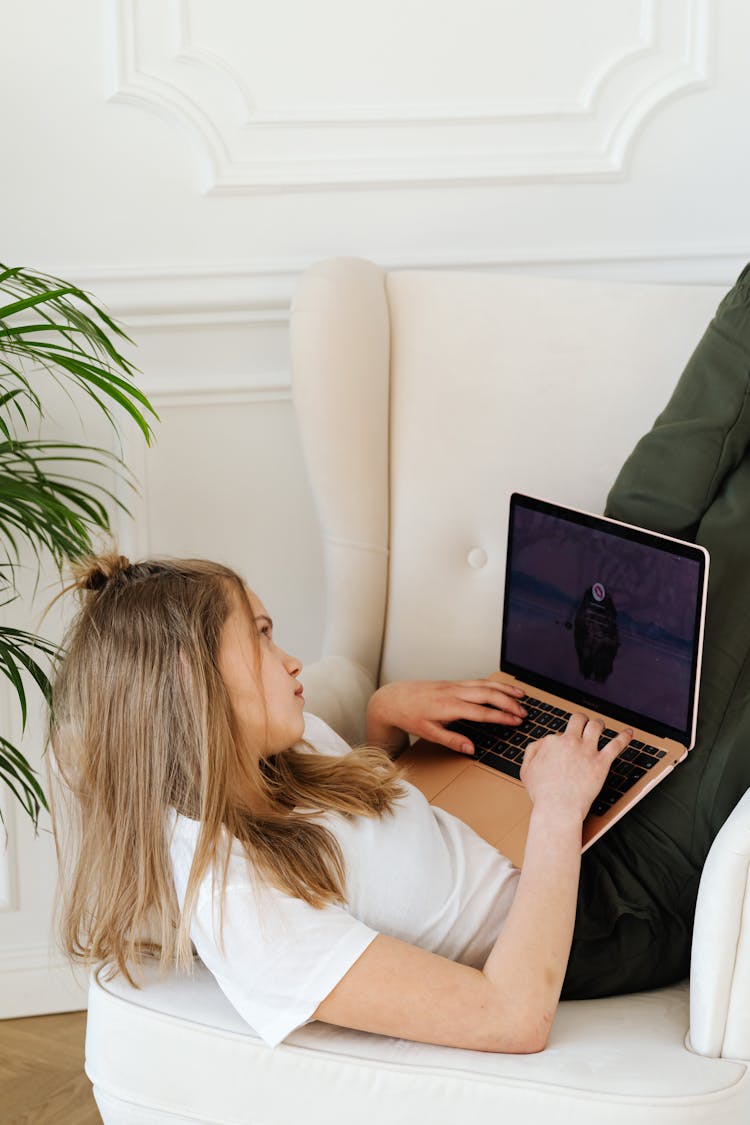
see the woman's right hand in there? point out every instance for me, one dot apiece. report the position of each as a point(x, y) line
point(567, 770)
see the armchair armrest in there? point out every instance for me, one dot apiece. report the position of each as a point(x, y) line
point(337, 690)
point(720, 966)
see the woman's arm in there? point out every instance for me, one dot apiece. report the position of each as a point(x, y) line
point(397, 989)
point(423, 707)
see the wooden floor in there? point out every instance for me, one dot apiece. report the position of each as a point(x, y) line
point(41, 1072)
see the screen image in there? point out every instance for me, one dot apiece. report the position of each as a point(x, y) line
point(608, 617)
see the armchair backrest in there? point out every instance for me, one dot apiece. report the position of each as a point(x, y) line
point(425, 398)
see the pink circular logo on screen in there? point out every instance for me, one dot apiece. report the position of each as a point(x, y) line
point(598, 591)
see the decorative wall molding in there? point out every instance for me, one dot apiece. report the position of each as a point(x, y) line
point(213, 296)
point(260, 294)
point(159, 61)
point(222, 390)
point(490, 111)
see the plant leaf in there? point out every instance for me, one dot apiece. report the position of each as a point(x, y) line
point(18, 775)
point(51, 325)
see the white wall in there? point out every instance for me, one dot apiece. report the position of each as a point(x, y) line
point(186, 159)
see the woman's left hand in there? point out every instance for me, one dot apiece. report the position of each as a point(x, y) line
point(423, 707)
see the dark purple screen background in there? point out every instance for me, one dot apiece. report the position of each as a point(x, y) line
point(655, 596)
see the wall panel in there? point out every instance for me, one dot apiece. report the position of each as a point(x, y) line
point(243, 499)
point(273, 102)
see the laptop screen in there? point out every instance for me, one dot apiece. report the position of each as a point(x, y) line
point(606, 615)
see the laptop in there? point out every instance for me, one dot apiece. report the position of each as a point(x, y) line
point(598, 617)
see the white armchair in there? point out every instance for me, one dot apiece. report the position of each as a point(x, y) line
point(424, 399)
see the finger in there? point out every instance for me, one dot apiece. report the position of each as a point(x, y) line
point(452, 739)
point(501, 701)
point(486, 681)
point(592, 732)
point(576, 723)
point(491, 695)
point(479, 713)
point(616, 745)
point(494, 678)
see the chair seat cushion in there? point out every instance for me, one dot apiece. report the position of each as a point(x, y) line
point(176, 1050)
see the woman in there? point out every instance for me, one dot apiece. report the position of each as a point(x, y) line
point(312, 879)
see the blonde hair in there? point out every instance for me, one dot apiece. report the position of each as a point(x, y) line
point(141, 724)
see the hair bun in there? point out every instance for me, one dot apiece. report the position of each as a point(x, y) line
point(96, 571)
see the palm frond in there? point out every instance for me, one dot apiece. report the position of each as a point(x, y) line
point(67, 332)
point(15, 657)
point(46, 507)
point(51, 500)
point(20, 778)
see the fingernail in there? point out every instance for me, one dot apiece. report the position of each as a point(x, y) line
point(467, 748)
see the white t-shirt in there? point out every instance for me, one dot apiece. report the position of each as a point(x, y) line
point(418, 874)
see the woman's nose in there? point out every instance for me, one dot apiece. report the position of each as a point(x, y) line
point(292, 664)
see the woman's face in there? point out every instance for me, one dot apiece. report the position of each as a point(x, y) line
point(279, 724)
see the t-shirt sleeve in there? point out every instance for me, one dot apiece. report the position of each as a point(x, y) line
point(281, 957)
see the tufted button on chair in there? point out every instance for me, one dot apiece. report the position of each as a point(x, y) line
point(424, 399)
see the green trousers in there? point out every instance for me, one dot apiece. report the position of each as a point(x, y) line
point(688, 477)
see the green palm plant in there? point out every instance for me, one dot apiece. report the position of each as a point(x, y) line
point(48, 324)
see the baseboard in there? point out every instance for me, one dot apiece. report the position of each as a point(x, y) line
point(39, 982)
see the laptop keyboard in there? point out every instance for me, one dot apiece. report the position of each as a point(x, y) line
point(502, 748)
